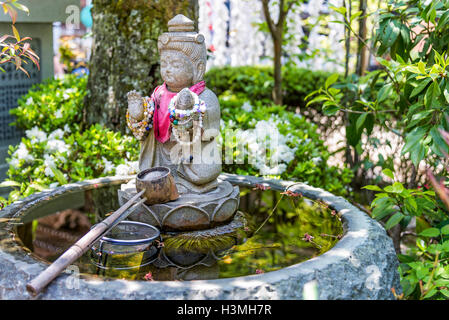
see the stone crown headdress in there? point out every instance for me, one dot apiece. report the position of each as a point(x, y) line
point(181, 36)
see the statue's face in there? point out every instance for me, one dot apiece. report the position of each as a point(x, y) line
point(176, 69)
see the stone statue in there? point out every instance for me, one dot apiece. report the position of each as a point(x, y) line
point(178, 126)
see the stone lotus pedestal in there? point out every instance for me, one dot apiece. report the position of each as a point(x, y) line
point(190, 212)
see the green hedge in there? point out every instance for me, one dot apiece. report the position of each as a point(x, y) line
point(256, 83)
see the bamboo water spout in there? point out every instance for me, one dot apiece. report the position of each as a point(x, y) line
point(36, 285)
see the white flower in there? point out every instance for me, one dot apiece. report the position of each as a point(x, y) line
point(29, 101)
point(133, 167)
point(274, 171)
point(247, 107)
point(65, 96)
point(49, 162)
point(22, 153)
point(70, 90)
point(57, 134)
point(67, 128)
point(58, 114)
point(61, 158)
point(53, 185)
point(55, 145)
point(122, 170)
point(108, 166)
point(317, 160)
point(252, 122)
point(14, 163)
point(48, 172)
point(36, 135)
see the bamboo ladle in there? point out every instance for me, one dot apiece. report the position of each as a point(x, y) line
point(36, 285)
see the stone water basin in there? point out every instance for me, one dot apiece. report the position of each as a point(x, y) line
point(349, 256)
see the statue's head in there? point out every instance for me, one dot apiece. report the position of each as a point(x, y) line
point(183, 53)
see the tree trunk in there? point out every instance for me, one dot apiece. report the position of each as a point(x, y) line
point(277, 91)
point(361, 51)
point(395, 234)
point(125, 55)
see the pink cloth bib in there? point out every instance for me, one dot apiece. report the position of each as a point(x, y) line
point(161, 119)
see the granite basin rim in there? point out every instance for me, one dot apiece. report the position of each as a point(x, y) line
point(362, 265)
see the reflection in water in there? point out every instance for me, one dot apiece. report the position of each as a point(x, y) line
point(297, 230)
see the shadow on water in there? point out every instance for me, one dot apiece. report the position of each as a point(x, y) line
point(277, 231)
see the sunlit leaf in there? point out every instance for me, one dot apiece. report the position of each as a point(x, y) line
point(431, 232)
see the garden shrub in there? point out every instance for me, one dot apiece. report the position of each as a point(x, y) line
point(52, 104)
point(55, 150)
point(255, 83)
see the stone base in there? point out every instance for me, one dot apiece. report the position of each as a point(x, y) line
point(185, 250)
point(190, 212)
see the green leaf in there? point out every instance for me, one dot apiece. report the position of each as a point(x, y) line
point(445, 230)
point(340, 10)
point(355, 15)
point(397, 187)
point(384, 92)
point(9, 183)
point(372, 188)
point(442, 22)
point(422, 85)
point(439, 143)
point(410, 203)
point(361, 120)
point(59, 175)
point(394, 220)
point(317, 99)
point(414, 144)
point(330, 109)
point(445, 292)
point(331, 80)
point(431, 233)
point(421, 244)
point(381, 212)
point(37, 186)
point(422, 67)
point(432, 94)
point(388, 173)
point(390, 33)
point(417, 153)
point(446, 91)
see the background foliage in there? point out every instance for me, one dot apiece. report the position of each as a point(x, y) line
point(60, 148)
point(410, 46)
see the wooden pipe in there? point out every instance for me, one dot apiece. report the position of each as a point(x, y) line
point(36, 285)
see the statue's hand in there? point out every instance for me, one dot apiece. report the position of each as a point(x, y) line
point(135, 105)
